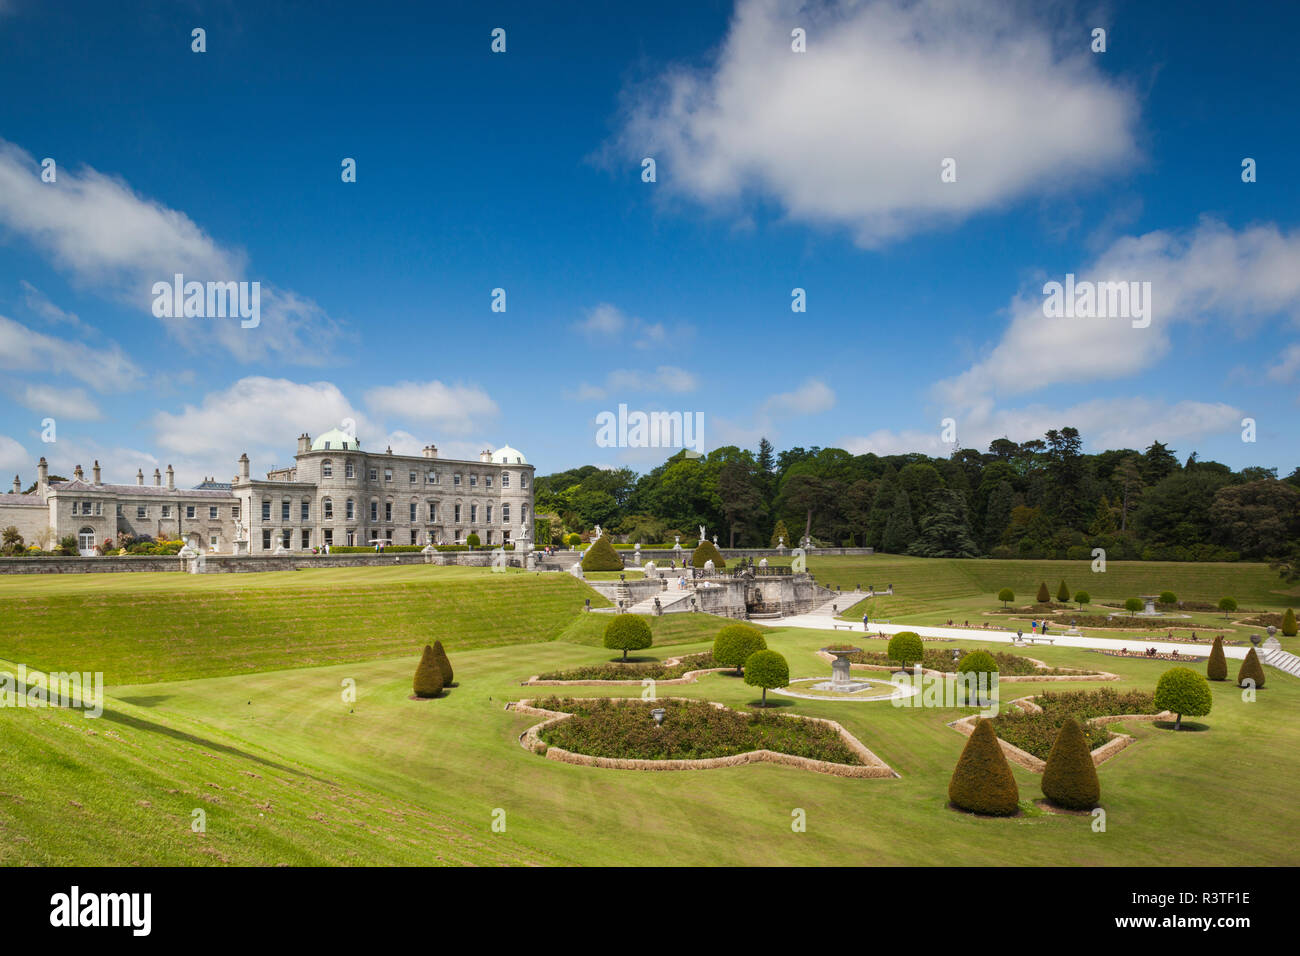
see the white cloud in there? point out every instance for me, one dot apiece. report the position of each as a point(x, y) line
point(119, 243)
point(14, 458)
point(1287, 365)
point(605, 323)
point(811, 397)
point(105, 368)
point(46, 400)
point(853, 131)
point(1210, 272)
point(604, 320)
point(622, 382)
point(452, 408)
point(39, 303)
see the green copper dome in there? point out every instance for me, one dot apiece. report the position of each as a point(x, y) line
point(335, 440)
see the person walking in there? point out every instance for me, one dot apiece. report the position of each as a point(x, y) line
point(865, 623)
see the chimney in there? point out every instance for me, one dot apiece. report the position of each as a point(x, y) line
point(304, 443)
point(157, 478)
point(42, 476)
point(139, 476)
point(95, 472)
point(171, 478)
point(243, 466)
point(430, 451)
point(78, 473)
point(485, 455)
point(18, 486)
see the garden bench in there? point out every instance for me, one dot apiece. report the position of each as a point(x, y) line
point(1040, 640)
point(848, 627)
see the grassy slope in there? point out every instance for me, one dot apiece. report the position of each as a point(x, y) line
point(144, 627)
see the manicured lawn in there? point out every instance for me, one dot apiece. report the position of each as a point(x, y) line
point(391, 780)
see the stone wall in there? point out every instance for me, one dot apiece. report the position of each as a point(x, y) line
point(224, 563)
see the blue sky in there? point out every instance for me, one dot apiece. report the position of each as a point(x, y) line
point(522, 170)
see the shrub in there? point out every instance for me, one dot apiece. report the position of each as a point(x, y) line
point(428, 675)
point(601, 556)
point(706, 551)
point(444, 664)
point(778, 533)
point(1082, 598)
point(1036, 733)
point(1168, 597)
point(766, 669)
point(906, 648)
point(1251, 669)
point(1070, 777)
point(1288, 623)
point(977, 662)
point(472, 540)
point(982, 781)
point(68, 544)
point(1006, 595)
point(11, 542)
point(1133, 605)
point(1227, 605)
point(628, 632)
point(1183, 691)
point(1044, 595)
point(1216, 668)
point(735, 644)
point(1063, 593)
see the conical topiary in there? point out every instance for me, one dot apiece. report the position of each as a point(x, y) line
point(982, 781)
point(444, 663)
point(707, 551)
point(1070, 777)
point(1288, 623)
point(1251, 669)
point(1063, 593)
point(428, 675)
point(1044, 595)
point(780, 536)
point(1217, 666)
point(601, 556)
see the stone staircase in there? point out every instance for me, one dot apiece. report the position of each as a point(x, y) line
point(1282, 660)
point(670, 601)
point(841, 602)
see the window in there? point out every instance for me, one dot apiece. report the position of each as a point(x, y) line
point(212, 541)
point(374, 511)
point(329, 536)
point(414, 508)
point(489, 514)
point(266, 539)
point(457, 511)
point(284, 509)
point(433, 511)
point(212, 512)
point(473, 481)
point(286, 538)
point(142, 511)
point(266, 509)
point(473, 514)
point(413, 535)
point(327, 506)
point(374, 474)
point(86, 539)
point(433, 477)
point(523, 482)
point(327, 469)
point(352, 539)
point(487, 480)
point(166, 511)
point(349, 470)
point(306, 538)
point(234, 512)
point(388, 474)
point(505, 514)
point(189, 511)
point(305, 511)
point(119, 511)
point(523, 513)
point(505, 479)
point(388, 511)
point(350, 510)
point(455, 480)
point(412, 477)
point(85, 507)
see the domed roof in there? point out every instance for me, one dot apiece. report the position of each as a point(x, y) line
point(335, 440)
point(505, 455)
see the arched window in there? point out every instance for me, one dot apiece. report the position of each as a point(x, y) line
point(327, 507)
point(327, 469)
point(86, 539)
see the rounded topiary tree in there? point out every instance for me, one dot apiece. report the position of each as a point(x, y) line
point(1070, 777)
point(1082, 598)
point(982, 781)
point(1168, 597)
point(1288, 623)
point(735, 644)
point(1006, 595)
point(768, 670)
point(1227, 605)
point(1063, 593)
point(1044, 596)
point(1133, 605)
point(1251, 669)
point(906, 648)
point(1216, 668)
point(707, 551)
point(428, 675)
point(628, 632)
point(573, 539)
point(1184, 692)
point(601, 556)
point(473, 540)
point(980, 666)
point(444, 662)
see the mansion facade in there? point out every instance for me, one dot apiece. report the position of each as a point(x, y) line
point(334, 494)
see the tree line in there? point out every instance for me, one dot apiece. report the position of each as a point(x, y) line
point(1042, 498)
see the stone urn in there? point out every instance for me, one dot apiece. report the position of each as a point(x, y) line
point(841, 669)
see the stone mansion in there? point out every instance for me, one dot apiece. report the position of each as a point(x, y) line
point(334, 494)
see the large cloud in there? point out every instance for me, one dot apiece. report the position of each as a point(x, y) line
point(106, 368)
point(450, 408)
point(853, 131)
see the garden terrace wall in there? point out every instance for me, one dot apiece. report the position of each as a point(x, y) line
point(230, 563)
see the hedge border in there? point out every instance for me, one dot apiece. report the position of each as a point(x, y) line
point(1079, 675)
point(690, 677)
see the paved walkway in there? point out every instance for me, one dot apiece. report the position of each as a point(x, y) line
point(818, 620)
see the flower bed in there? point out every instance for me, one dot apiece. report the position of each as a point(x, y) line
point(648, 670)
point(1009, 665)
point(692, 730)
point(1034, 729)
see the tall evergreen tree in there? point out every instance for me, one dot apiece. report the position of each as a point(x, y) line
point(998, 517)
point(945, 531)
point(899, 530)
